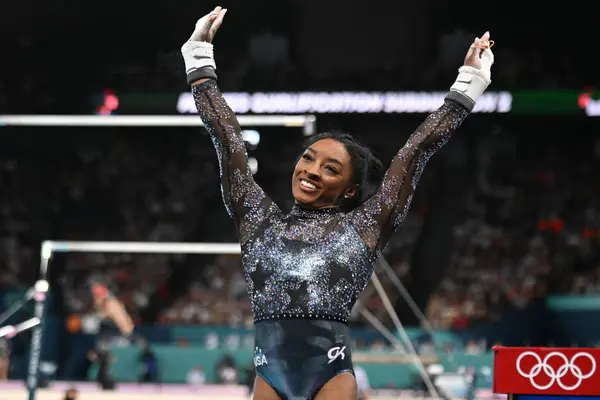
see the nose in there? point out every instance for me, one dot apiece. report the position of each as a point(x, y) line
point(313, 172)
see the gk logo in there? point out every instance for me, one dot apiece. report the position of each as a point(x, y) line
point(336, 352)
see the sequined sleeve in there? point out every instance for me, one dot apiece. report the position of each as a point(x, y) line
point(378, 218)
point(244, 200)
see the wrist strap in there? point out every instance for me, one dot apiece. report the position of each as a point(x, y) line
point(470, 82)
point(199, 61)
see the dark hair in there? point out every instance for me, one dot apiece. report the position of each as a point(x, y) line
point(367, 169)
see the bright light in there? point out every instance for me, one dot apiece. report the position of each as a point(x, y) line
point(110, 103)
point(252, 137)
point(253, 163)
point(42, 286)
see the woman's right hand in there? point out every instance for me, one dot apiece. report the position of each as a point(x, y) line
point(207, 26)
point(197, 52)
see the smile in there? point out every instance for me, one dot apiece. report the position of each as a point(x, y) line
point(307, 185)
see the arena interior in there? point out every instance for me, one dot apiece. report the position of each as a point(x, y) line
point(500, 246)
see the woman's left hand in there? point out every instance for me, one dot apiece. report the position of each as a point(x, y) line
point(476, 73)
point(480, 54)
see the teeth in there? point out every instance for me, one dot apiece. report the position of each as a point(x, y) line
point(307, 184)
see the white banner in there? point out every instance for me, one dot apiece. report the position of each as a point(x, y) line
point(345, 102)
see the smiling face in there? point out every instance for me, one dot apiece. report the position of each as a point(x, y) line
point(323, 175)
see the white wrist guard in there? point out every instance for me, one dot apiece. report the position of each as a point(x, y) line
point(471, 81)
point(197, 55)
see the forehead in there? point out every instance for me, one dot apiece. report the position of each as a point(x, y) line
point(331, 148)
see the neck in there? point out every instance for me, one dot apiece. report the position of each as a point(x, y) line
point(300, 210)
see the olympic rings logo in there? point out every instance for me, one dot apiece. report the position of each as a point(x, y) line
point(556, 375)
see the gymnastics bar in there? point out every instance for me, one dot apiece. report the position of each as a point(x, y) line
point(10, 330)
point(404, 335)
point(49, 247)
point(307, 122)
point(423, 321)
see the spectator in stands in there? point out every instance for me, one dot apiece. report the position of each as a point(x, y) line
point(4, 358)
point(427, 348)
point(71, 394)
point(196, 376)
point(103, 357)
point(149, 364)
point(112, 309)
point(250, 377)
point(362, 383)
point(226, 371)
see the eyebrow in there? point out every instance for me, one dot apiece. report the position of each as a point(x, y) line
point(333, 160)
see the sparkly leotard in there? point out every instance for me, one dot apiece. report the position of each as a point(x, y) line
point(313, 263)
point(304, 270)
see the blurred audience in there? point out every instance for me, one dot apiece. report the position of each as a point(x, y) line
point(196, 376)
point(103, 358)
point(149, 364)
point(529, 228)
point(4, 358)
point(226, 371)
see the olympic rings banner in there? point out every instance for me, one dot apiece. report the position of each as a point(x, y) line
point(547, 371)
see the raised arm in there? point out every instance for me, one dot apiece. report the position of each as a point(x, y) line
point(243, 198)
point(241, 194)
point(378, 218)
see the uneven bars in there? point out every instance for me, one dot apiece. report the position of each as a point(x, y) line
point(385, 332)
point(409, 346)
point(413, 306)
point(49, 247)
point(148, 120)
point(10, 330)
point(16, 306)
point(405, 295)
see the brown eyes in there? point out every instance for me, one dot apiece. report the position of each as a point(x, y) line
point(330, 169)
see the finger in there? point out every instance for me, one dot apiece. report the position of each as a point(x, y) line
point(476, 48)
point(210, 17)
point(470, 52)
point(216, 11)
point(484, 42)
point(487, 56)
point(205, 29)
point(214, 14)
point(217, 22)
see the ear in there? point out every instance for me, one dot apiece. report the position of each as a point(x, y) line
point(351, 191)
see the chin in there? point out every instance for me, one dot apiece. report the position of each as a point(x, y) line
point(304, 199)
